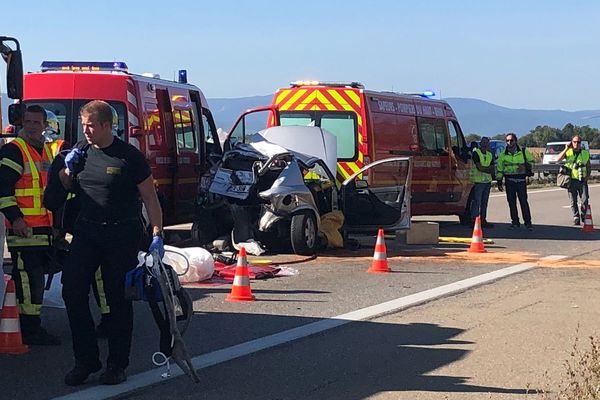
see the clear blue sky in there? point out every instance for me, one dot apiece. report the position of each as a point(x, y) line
point(519, 54)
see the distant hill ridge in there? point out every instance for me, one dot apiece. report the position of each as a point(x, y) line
point(475, 116)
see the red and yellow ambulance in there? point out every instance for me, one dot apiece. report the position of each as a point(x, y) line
point(170, 122)
point(371, 126)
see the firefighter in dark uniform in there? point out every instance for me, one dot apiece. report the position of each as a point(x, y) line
point(109, 177)
point(23, 175)
point(65, 209)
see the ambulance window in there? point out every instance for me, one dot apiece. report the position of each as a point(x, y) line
point(343, 126)
point(341, 123)
point(296, 119)
point(209, 133)
point(119, 108)
point(59, 110)
point(433, 135)
point(456, 136)
point(184, 129)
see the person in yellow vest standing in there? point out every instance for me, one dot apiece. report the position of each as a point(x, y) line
point(577, 159)
point(24, 164)
point(515, 165)
point(482, 173)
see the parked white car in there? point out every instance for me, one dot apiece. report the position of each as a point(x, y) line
point(553, 149)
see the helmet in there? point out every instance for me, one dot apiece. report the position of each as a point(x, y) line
point(52, 131)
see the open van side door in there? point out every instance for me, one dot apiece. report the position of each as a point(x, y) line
point(378, 196)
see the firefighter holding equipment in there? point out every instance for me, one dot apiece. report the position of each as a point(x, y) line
point(577, 160)
point(514, 165)
point(65, 209)
point(109, 178)
point(482, 173)
point(24, 168)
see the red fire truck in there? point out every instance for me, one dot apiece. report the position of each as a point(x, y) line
point(371, 126)
point(169, 122)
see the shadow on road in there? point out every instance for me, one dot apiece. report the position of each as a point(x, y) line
point(352, 362)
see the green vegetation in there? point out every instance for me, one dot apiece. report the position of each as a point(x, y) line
point(541, 135)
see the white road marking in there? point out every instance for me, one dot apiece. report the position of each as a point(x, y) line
point(152, 377)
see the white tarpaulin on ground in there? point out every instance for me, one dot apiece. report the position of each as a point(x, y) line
point(201, 263)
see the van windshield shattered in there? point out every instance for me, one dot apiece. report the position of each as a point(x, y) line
point(340, 123)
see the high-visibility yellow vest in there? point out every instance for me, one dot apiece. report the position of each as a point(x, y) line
point(485, 160)
point(577, 163)
point(513, 163)
point(29, 191)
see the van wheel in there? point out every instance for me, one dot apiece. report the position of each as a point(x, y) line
point(465, 218)
point(303, 234)
point(204, 230)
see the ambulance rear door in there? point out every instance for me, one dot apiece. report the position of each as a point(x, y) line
point(188, 146)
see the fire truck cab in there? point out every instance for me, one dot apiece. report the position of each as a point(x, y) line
point(170, 122)
point(372, 126)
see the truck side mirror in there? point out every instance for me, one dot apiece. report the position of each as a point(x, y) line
point(14, 75)
point(15, 114)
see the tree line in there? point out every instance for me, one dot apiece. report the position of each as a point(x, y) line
point(541, 135)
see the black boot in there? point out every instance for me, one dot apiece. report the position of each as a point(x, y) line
point(113, 375)
point(80, 373)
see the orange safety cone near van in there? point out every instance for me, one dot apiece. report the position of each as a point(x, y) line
point(588, 224)
point(11, 341)
point(477, 239)
point(240, 291)
point(380, 263)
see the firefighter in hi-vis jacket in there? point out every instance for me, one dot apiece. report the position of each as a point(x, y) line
point(24, 164)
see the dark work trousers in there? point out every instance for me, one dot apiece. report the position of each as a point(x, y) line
point(114, 247)
point(28, 274)
point(518, 189)
point(481, 196)
point(579, 189)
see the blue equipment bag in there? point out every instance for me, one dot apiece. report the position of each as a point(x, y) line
point(141, 285)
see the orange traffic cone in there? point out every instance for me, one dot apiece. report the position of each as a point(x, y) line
point(11, 341)
point(379, 263)
point(240, 291)
point(477, 239)
point(588, 224)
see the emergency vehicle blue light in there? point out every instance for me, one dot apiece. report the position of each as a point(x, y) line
point(83, 66)
point(182, 76)
point(428, 93)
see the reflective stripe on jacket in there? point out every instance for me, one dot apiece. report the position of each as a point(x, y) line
point(29, 188)
point(578, 163)
point(485, 160)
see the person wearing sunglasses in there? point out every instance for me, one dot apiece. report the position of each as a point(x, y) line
point(577, 159)
point(514, 165)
